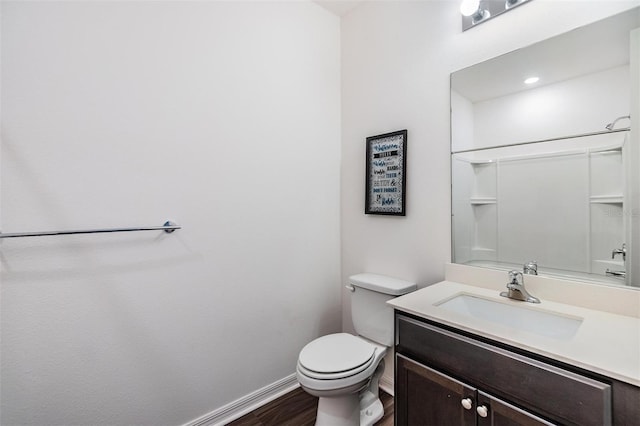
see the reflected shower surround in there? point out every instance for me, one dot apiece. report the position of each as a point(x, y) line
point(511, 204)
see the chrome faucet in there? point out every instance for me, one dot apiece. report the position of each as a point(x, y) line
point(517, 290)
point(530, 268)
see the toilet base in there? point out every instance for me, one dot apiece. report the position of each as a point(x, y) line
point(371, 409)
point(349, 410)
point(340, 411)
point(361, 408)
point(372, 412)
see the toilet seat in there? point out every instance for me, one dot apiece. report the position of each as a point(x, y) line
point(336, 356)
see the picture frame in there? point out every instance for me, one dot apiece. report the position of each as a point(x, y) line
point(386, 164)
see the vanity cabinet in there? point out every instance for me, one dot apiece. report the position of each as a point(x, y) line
point(447, 377)
point(432, 398)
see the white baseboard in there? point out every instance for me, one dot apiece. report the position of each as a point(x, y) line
point(238, 408)
point(386, 384)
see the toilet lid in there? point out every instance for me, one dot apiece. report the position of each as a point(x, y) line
point(335, 353)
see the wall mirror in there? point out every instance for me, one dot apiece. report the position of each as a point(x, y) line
point(544, 171)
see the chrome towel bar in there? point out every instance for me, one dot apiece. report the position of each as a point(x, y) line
point(167, 227)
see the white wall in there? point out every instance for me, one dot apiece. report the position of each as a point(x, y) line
point(396, 61)
point(222, 116)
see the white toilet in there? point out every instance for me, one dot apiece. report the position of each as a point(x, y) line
point(343, 370)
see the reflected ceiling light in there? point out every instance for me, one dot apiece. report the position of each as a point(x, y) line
point(531, 80)
point(472, 8)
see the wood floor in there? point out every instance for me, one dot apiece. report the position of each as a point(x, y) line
point(298, 408)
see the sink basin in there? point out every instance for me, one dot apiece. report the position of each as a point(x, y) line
point(517, 317)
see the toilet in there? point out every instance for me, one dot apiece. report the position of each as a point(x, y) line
point(343, 370)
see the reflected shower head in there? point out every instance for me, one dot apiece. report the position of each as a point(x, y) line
point(610, 126)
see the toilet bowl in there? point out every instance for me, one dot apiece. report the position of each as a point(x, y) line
point(343, 370)
point(338, 368)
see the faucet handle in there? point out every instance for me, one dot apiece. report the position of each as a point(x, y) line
point(515, 277)
point(530, 268)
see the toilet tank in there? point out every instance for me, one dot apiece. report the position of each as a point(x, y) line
point(371, 316)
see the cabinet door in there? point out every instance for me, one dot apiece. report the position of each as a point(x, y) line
point(495, 412)
point(426, 397)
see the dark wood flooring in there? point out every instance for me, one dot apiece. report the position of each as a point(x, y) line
point(298, 408)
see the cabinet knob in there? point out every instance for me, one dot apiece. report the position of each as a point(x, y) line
point(483, 411)
point(467, 403)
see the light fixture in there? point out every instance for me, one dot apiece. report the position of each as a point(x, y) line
point(508, 4)
point(531, 80)
point(471, 8)
point(477, 11)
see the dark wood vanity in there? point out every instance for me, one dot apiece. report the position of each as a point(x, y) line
point(445, 376)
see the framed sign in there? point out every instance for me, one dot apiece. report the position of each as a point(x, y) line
point(386, 178)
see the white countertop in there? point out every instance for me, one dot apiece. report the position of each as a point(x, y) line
point(605, 343)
